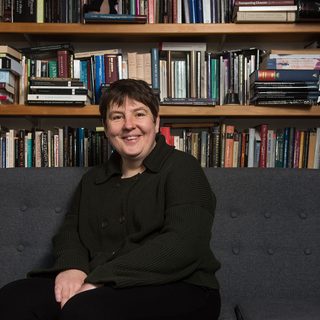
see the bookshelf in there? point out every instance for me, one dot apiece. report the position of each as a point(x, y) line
point(166, 111)
point(163, 32)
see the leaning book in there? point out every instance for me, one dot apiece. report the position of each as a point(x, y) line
point(93, 17)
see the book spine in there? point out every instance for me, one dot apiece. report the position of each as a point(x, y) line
point(24, 11)
point(63, 63)
point(229, 144)
point(285, 75)
point(99, 75)
point(263, 2)
point(155, 68)
point(263, 146)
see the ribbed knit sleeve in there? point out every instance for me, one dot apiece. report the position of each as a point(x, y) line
point(181, 246)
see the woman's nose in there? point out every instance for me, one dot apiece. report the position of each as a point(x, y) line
point(129, 122)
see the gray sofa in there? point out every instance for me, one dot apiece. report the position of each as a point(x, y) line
point(266, 234)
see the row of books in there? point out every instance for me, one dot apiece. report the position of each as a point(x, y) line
point(180, 72)
point(158, 11)
point(276, 11)
point(223, 145)
point(214, 145)
point(59, 147)
point(285, 87)
point(63, 11)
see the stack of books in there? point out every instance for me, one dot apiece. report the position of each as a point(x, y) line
point(10, 73)
point(264, 11)
point(285, 87)
point(56, 91)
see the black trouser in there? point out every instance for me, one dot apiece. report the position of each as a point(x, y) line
point(32, 299)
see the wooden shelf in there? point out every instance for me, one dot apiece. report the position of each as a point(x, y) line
point(156, 32)
point(166, 111)
point(165, 30)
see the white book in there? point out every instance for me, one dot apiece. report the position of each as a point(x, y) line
point(316, 162)
point(251, 146)
point(76, 68)
point(57, 97)
point(186, 11)
point(206, 6)
point(183, 46)
point(88, 54)
point(268, 8)
point(262, 16)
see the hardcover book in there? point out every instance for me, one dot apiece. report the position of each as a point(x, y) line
point(93, 17)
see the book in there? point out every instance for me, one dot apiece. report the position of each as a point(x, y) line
point(263, 2)
point(25, 11)
point(267, 8)
point(285, 75)
point(56, 97)
point(261, 16)
point(61, 103)
point(93, 17)
point(43, 81)
point(7, 63)
point(291, 62)
point(6, 87)
point(8, 77)
point(308, 10)
point(284, 102)
point(285, 85)
point(11, 51)
point(35, 50)
point(183, 46)
point(188, 101)
point(88, 54)
point(54, 90)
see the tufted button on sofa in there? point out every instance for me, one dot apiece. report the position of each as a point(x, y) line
point(266, 234)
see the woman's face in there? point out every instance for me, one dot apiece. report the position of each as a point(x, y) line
point(131, 129)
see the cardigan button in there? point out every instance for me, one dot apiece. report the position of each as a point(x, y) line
point(303, 215)
point(236, 250)
point(23, 208)
point(104, 224)
point(307, 251)
point(267, 215)
point(20, 247)
point(270, 251)
point(58, 209)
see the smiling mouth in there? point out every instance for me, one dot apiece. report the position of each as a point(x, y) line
point(131, 138)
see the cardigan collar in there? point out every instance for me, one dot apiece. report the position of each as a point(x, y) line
point(153, 162)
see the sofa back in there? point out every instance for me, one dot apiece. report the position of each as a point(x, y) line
point(266, 231)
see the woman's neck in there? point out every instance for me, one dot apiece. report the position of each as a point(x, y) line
point(131, 169)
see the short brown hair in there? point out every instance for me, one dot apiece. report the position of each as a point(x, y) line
point(137, 90)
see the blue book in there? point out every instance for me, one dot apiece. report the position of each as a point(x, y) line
point(286, 136)
point(93, 17)
point(99, 76)
point(80, 147)
point(84, 72)
point(285, 75)
point(193, 11)
point(155, 68)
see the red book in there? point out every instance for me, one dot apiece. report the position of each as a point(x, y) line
point(263, 146)
point(63, 63)
point(228, 153)
point(111, 67)
point(165, 131)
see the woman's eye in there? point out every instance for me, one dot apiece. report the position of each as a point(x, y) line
point(141, 114)
point(116, 117)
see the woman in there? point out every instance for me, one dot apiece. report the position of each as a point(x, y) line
point(135, 244)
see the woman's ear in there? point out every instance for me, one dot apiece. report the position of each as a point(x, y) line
point(157, 124)
point(105, 127)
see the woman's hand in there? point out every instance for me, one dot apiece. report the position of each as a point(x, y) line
point(67, 284)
